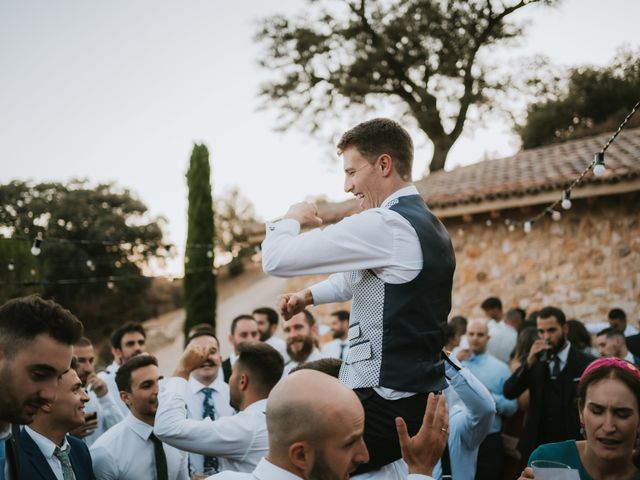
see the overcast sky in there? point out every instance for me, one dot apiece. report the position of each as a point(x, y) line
point(120, 90)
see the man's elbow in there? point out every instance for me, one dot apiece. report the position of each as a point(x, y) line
point(273, 267)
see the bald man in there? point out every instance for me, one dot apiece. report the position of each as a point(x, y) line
point(316, 431)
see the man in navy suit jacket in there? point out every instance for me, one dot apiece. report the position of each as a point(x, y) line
point(47, 452)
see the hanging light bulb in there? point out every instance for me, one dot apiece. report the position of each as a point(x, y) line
point(11, 266)
point(556, 215)
point(209, 254)
point(35, 248)
point(566, 200)
point(527, 227)
point(512, 228)
point(599, 168)
point(488, 222)
point(90, 265)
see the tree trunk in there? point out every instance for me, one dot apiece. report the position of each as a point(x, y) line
point(441, 149)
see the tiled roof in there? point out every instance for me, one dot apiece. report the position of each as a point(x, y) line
point(526, 174)
point(534, 171)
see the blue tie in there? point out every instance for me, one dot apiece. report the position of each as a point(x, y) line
point(209, 410)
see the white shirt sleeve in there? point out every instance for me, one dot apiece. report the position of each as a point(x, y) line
point(358, 242)
point(109, 414)
point(226, 437)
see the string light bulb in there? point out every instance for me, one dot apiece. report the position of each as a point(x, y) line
point(35, 248)
point(566, 200)
point(512, 228)
point(209, 254)
point(11, 267)
point(556, 215)
point(527, 227)
point(599, 168)
point(90, 265)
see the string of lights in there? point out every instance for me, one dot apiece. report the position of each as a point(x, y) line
point(598, 167)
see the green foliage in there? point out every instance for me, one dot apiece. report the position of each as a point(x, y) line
point(421, 53)
point(199, 279)
point(89, 234)
point(234, 213)
point(594, 100)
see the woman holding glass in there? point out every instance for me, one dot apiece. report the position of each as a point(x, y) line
point(609, 406)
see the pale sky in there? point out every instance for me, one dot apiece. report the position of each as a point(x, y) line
point(120, 90)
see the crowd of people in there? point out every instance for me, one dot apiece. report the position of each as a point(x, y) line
point(402, 391)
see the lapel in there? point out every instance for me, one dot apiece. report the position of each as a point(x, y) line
point(77, 460)
point(35, 459)
point(14, 464)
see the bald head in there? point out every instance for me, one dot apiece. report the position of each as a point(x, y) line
point(478, 335)
point(305, 406)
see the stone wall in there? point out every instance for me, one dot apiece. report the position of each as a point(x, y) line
point(585, 263)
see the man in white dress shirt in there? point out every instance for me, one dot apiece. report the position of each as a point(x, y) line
point(503, 335)
point(268, 320)
point(337, 348)
point(300, 334)
point(395, 261)
point(244, 330)
point(127, 341)
point(101, 411)
point(207, 394)
point(130, 450)
point(316, 431)
point(240, 441)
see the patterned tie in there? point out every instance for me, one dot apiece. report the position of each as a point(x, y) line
point(209, 410)
point(162, 473)
point(343, 346)
point(63, 456)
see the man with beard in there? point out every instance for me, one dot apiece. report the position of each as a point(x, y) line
point(47, 451)
point(300, 333)
point(244, 330)
point(207, 395)
point(36, 338)
point(240, 441)
point(337, 348)
point(551, 372)
point(126, 342)
point(267, 319)
point(101, 411)
point(316, 432)
point(130, 450)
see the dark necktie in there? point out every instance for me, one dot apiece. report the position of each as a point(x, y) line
point(209, 411)
point(12, 447)
point(555, 367)
point(343, 347)
point(161, 459)
point(445, 461)
point(63, 456)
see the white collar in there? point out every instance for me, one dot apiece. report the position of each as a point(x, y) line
point(260, 405)
point(195, 386)
point(5, 433)
point(266, 469)
point(142, 429)
point(46, 446)
point(629, 357)
point(564, 353)
point(403, 192)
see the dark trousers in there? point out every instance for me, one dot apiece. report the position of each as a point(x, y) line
point(490, 458)
point(380, 433)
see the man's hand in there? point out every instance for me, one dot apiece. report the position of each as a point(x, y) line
point(422, 451)
point(98, 385)
point(534, 354)
point(463, 354)
point(193, 357)
point(526, 474)
point(291, 304)
point(87, 428)
point(305, 213)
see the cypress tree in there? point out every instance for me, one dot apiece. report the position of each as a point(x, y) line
point(199, 278)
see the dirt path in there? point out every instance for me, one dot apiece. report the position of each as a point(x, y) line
point(258, 292)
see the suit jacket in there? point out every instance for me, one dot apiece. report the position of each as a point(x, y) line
point(226, 369)
point(535, 379)
point(10, 454)
point(633, 344)
point(34, 465)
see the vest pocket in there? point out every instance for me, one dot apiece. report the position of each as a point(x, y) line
point(359, 352)
point(354, 332)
